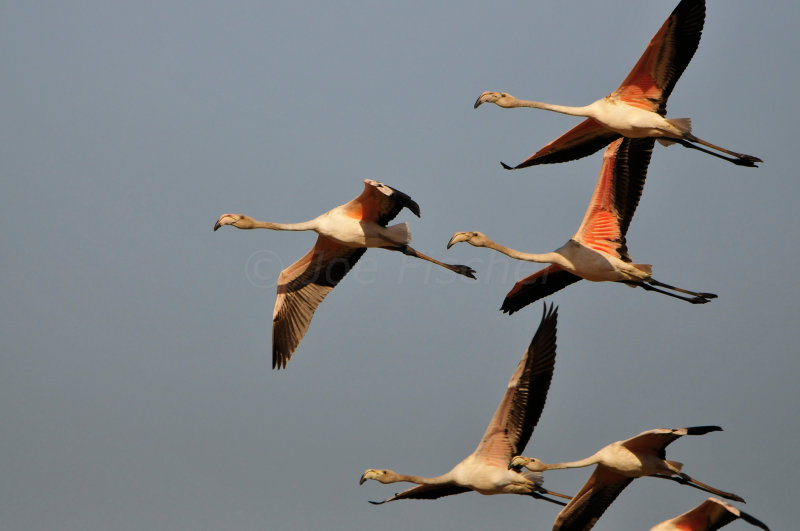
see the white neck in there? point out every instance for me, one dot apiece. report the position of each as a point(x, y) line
point(544, 258)
point(589, 461)
point(563, 109)
point(394, 477)
point(304, 225)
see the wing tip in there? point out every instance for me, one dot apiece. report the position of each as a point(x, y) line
point(414, 207)
point(279, 357)
point(750, 519)
point(278, 362)
point(701, 430)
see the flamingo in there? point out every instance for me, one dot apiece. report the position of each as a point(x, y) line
point(486, 470)
point(345, 232)
point(637, 108)
point(710, 515)
point(618, 464)
point(597, 252)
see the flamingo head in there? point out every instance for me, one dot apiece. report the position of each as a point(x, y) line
point(478, 239)
point(502, 99)
point(377, 474)
point(531, 463)
point(240, 221)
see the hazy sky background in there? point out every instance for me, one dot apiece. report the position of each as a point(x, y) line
point(135, 382)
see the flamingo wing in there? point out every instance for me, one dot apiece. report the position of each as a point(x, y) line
point(657, 440)
point(427, 492)
point(581, 141)
point(519, 410)
point(616, 196)
point(589, 504)
point(379, 203)
point(710, 515)
point(650, 82)
point(301, 288)
point(530, 289)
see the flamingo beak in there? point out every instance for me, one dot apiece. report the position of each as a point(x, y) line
point(457, 237)
point(226, 219)
point(363, 479)
point(478, 102)
point(515, 463)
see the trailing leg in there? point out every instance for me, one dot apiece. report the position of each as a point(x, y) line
point(655, 282)
point(554, 493)
point(739, 159)
point(545, 498)
point(685, 479)
point(697, 298)
point(460, 269)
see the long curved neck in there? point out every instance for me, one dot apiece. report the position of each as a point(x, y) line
point(545, 258)
point(419, 480)
point(304, 225)
point(589, 461)
point(563, 109)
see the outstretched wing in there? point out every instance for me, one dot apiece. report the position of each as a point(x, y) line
point(519, 410)
point(657, 440)
point(301, 288)
point(710, 515)
point(537, 286)
point(650, 82)
point(647, 86)
point(379, 203)
point(616, 196)
point(426, 492)
point(589, 504)
point(581, 141)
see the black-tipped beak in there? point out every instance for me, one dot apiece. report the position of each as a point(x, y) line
point(477, 103)
point(362, 480)
point(216, 225)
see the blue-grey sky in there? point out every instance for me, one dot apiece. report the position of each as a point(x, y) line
point(135, 376)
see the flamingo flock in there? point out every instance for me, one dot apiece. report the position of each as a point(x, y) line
point(627, 124)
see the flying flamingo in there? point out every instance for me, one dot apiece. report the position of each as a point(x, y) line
point(618, 464)
point(486, 470)
point(637, 108)
point(597, 252)
point(710, 515)
point(344, 234)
